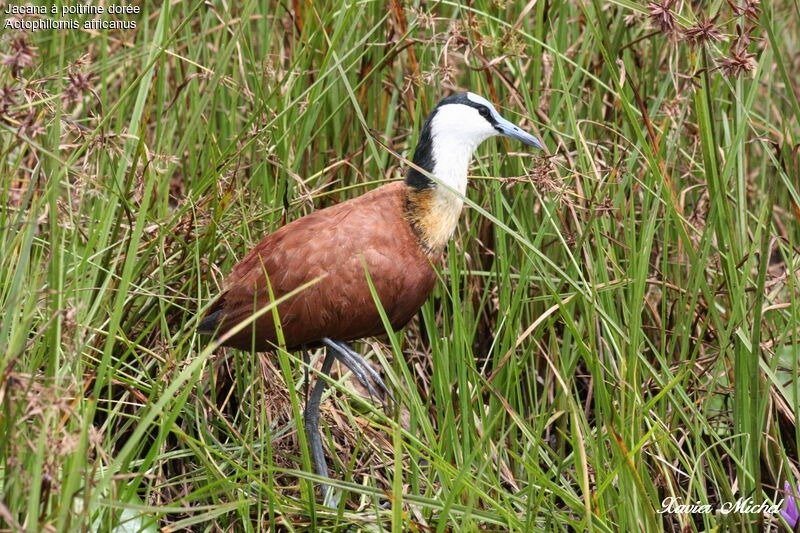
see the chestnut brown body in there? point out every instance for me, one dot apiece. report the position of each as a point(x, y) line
point(372, 232)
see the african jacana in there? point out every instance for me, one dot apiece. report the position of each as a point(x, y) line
point(397, 232)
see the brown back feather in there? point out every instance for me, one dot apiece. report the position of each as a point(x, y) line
point(334, 243)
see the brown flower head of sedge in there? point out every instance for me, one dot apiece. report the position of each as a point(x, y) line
point(748, 8)
point(8, 99)
point(78, 83)
point(22, 56)
point(31, 126)
point(704, 31)
point(744, 37)
point(661, 15)
point(738, 62)
point(540, 175)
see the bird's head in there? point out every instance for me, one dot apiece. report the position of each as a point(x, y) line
point(474, 119)
point(452, 132)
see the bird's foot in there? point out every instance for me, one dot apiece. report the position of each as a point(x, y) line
point(360, 368)
point(329, 497)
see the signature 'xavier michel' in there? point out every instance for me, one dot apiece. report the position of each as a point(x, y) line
point(397, 232)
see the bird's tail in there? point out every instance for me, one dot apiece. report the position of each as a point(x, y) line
point(210, 323)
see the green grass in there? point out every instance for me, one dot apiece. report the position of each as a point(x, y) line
point(615, 325)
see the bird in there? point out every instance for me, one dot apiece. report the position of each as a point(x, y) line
point(393, 236)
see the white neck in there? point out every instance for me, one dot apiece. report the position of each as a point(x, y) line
point(452, 156)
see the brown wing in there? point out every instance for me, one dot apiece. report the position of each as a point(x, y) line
point(335, 244)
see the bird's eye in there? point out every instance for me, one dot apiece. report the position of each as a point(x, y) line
point(484, 112)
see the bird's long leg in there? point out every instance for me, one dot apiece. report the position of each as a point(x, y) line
point(311, 422)
point(364, 373)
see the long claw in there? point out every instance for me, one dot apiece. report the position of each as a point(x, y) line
point(371, 371)
point(357, 370)
point(360, 368)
